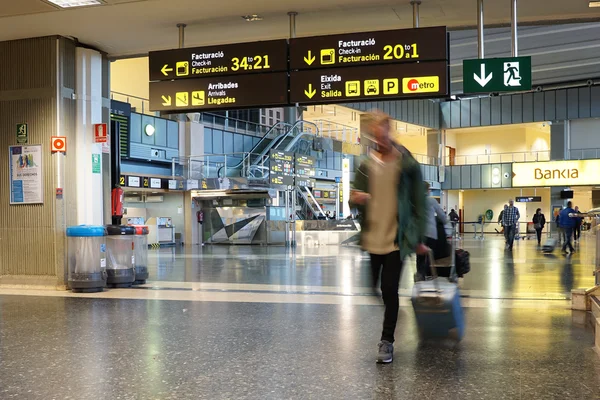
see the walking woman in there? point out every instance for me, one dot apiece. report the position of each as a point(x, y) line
point(539, 220)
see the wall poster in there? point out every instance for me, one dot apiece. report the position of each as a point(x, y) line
point(26, 174)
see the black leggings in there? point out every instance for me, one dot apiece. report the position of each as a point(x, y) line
point(390, 268)
point(539, 235)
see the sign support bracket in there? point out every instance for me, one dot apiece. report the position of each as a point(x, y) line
point(415, 6)
point(513, 28)
point(480, 44)
point(181, 28)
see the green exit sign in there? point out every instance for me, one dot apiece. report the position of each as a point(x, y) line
point(487, 75)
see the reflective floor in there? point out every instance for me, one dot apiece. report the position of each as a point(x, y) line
point(266, 323)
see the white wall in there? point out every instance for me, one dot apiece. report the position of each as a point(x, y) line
point(522, 138)
point(131, 76)
point(582, 198)
point(416, 144)
point(173, 202)
point(477, 202)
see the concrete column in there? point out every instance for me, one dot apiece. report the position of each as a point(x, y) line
point(433, 144)
point(191, 143)
point(89, 193)
point(559, 137)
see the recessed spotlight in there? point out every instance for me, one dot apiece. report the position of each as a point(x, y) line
point(252, 17)
point(75, 3)
point(593, 4)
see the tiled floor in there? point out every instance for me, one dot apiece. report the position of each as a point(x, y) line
point(266, 323)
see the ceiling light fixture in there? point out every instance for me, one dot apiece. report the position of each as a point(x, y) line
point(75, 3)
point(593, 4)
point(252, 17)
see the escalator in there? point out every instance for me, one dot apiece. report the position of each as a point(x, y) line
point(309, 208)
point(255, 164)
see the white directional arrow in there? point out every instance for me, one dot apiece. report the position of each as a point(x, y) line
point(482, 79)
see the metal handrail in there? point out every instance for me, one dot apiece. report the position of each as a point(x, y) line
point(500, 157)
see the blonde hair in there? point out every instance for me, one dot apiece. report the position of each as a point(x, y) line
point(376, 117)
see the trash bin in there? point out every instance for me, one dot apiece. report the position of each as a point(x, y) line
point(141, 254)
point(86, 252)
point(120, 266)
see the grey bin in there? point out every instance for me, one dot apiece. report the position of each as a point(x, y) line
point(86, 253)
point(120, 266)
point(141, 254)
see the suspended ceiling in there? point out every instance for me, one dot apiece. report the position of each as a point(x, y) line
point(129, 27)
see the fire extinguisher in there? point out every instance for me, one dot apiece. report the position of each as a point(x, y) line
point(117, 202)
point(200, 216)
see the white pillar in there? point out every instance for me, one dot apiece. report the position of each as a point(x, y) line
point(89, 193)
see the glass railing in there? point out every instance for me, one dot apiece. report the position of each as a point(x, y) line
point(232, 165)
point(498, 158)
point(139, 104)
point(584, 154)
point(333, 130)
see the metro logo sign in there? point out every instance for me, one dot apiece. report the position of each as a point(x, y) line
point(424, 84)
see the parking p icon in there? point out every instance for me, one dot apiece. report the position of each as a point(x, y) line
point(391, 86)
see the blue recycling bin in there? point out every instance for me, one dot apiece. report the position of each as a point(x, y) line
point(86, 253)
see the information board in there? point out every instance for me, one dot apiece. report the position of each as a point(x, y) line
point(26, 174)
point(232, 92)
point(230, 59)
point(304, 167)
point(281, 168)
point(528, 199)
point(369, 48)
point(380, 82)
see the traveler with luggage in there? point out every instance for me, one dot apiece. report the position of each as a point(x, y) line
point(567, 223)
point(435, 235)
point(455, 219)
point(539, 221)
point(388, 192)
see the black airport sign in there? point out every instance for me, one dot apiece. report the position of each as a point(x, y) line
point(220, 93)
point(230, 59)
point(382, 82)
point(369, 48)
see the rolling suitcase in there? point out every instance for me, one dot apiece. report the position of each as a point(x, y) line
point(549, 245)
point(438, 311)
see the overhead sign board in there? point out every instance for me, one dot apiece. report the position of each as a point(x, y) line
point(281, 168)
point(556, 173)
point(382, 82)
point(231, 59)
point(369, 48)
point(497, 75)
point(220, 93)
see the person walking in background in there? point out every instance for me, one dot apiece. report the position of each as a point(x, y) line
point(559, 229)
point(510, 219)
point(455, 219)
point(539, 221)
point(567, 223)
point(389, 194)
point(578, 221)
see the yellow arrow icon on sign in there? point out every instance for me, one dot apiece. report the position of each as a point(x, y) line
point(166, 101)
point(310, 92)
point(310, 59)
point(165, 70)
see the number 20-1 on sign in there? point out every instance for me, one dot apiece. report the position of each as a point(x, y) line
point(400, 51)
